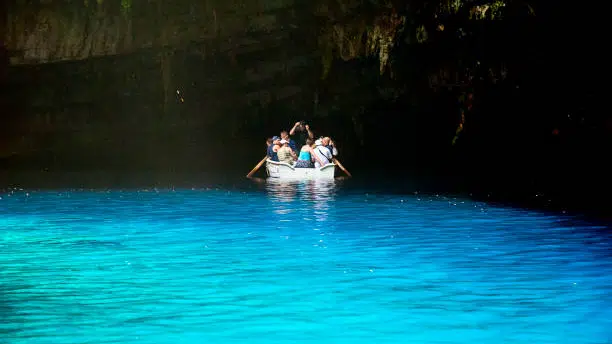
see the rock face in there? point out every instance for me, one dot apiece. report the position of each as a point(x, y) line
point(52, 31)
point(93, 76)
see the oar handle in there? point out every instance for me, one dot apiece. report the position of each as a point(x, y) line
point(257, 167)
point(337, 162)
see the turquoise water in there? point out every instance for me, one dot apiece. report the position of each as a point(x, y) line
point(312, 262)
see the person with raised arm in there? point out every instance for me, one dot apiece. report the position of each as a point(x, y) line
point(301, 131)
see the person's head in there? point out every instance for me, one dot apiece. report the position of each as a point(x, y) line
point(276, 140)
point(325, 141)
point(309, 141)
point(284, 135)
point(269, 141)
point(302, 126)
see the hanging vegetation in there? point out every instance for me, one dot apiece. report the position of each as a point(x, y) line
point(126, 6)
point(348, 33)
point(353, 29)
point(361, 36)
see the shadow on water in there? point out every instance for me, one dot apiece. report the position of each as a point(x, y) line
point(362, 182)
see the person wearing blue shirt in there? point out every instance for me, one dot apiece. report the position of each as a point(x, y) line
point(273, 146)
point(285, 136)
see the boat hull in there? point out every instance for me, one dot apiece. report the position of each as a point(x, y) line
point(281, 170)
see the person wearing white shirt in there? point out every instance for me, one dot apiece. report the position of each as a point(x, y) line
point(325, 151)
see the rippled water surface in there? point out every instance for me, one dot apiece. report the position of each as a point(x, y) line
point(310, 262)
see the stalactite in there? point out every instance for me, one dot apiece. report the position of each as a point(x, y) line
point(346, 39)
point(382, 37)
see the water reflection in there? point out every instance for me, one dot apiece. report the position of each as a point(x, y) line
point(318, 193)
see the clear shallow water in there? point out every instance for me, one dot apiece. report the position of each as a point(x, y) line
point(312, 262)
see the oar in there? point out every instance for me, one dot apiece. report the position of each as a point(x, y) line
point(257, 167)
point(342, 167)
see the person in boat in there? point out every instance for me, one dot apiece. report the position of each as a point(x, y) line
point(329, 143)
point(301, 131)
point(307, 156)
point(325, 150)
point(284, 135)
point(273, 147)
point(323, 154)
point(285, 153)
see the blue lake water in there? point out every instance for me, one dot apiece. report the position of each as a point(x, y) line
point(310, 262)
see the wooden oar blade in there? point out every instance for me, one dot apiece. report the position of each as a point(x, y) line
point(257, 167)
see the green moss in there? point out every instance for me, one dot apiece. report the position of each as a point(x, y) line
point(530, 10)
point(496, 9)
point(126, 6)
point(455, 5)
point(492, 10)
point(357, 34)
point(421, 34)
point(450, 6)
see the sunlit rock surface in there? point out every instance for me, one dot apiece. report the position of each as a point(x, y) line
point(58, 31)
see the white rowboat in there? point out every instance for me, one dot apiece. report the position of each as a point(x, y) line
point(282, 170)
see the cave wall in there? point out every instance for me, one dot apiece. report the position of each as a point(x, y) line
point(90, 86)
point(50, 31)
